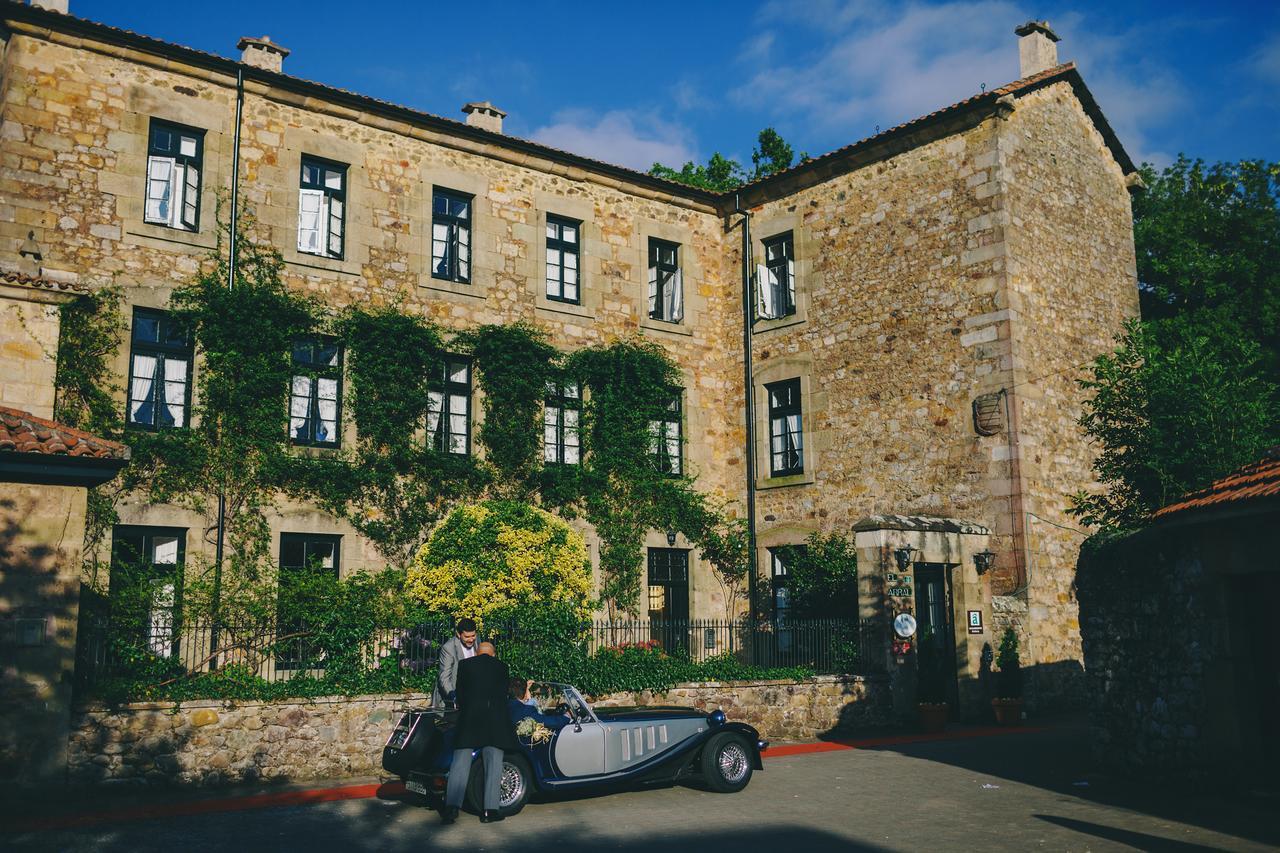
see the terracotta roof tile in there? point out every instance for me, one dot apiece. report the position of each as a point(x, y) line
point(22, 279)
point(23, 432)
point(1260, 479)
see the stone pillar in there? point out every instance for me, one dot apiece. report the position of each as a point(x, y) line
point(1037, 47)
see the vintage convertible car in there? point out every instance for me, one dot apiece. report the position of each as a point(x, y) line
point(597, 748)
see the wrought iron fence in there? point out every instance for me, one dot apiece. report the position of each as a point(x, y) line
point(168, 648)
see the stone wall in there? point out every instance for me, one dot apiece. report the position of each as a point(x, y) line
point(217, 742)
point(1175, 624)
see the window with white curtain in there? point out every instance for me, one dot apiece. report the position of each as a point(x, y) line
point(561, 444)
point(776, 279)
point(666, 438)
point(666, 285)
point(449, 407)
point(322, 195)
point(450, 235)
point(151, 557)
point(563, 256)
point(174, 160)
point(315, 395)
point(159, 371)
point(786, 432)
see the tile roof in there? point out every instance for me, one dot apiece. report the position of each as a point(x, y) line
point(23, 432)
point(1066, 71)
point(1257, 480)
point(22, 279)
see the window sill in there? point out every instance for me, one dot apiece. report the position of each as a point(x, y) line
point(801, 479)
point(319, 262)
point(762, 327)
point(570, 308)
point(455, 288)
point(172, 236)
point(651, 325)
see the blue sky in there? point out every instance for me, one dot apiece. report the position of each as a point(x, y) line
point(671, 81)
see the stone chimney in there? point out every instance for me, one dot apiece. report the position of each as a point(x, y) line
point(262, 53)
point(51, 5)
point(484, 115)
point(1037, 47)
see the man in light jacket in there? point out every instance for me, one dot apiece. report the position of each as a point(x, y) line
point(460, 647)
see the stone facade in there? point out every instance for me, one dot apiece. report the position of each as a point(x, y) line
point(213, 743)
point(983, 250)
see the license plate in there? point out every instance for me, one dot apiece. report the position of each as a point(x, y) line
point(415, 787)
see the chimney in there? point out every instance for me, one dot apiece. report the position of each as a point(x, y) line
point(484, 115)
point(51, 5)
point(1037, 47)
point(262, 53)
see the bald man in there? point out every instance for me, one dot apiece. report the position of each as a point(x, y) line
point(483, 724)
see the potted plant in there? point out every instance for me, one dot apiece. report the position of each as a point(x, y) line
point(1008, 699)
point(931, 687)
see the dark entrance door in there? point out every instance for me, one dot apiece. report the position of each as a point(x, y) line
point(1261, 649)
point(669, 597)
point(935, 637)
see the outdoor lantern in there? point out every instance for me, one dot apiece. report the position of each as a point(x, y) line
point(903, 556)
point(671, 539)
point(983, 560)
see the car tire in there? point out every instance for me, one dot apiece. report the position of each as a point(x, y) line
point(726, 763)
point(517, 778)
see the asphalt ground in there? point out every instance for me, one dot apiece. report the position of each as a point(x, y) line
point(1029, 790)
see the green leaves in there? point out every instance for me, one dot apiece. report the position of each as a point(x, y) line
point(771, 155)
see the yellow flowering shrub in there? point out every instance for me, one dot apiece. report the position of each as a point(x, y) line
point(495, 555)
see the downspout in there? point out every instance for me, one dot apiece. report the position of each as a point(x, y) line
point(231, 281)
point(748, 387)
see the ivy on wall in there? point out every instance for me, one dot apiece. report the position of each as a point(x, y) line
point(389, 483)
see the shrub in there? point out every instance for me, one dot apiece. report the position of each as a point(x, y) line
point(493, 556)
point(1009, 677)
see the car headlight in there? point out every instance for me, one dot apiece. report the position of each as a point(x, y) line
point(716, 718)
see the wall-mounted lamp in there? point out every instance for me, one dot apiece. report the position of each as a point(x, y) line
point(903, 556)
point(982, 561)
point(671, 539)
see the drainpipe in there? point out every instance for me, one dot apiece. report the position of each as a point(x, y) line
point(231, 281)
point(750, 456)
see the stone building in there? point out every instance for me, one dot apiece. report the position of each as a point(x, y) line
point(922, 299)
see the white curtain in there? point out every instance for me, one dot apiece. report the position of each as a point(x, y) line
point(144, 371)
point(435, 402)
point(673, 298)
point(765, 305)
point(160, 629)
point(550, 434)
point(300, 407)
point(653, 290)
point(457, 424)
point(673, 446)
point(335, 226)
point(159, 189)
point(175, 389)
point(311, 217)
point(791, 283)
point(190, 196)
point(327, 398)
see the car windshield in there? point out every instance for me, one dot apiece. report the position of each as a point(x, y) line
point(550, 695)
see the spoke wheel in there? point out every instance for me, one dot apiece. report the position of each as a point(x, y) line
point(726, 763)
point(513, 789)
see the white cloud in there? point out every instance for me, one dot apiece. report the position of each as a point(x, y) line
point(626, 137)
point(876, 64)
point(1266, 61)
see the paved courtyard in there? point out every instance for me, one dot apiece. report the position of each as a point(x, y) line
point(1025, 791)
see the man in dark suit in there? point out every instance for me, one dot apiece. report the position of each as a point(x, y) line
point(483, 724)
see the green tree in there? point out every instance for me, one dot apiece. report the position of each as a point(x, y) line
point(1208, 237)
point(822, 578)
point(772, 154)
point(1182, 401)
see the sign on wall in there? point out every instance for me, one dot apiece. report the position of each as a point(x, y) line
point(975, 621)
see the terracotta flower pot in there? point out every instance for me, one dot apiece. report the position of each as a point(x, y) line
point(1008, 711)
point(933, 718)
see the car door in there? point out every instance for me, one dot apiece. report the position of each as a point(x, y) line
point(578, 749)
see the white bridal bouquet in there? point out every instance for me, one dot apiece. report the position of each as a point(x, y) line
point(535, 731)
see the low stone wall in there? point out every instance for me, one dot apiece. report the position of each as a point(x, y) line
point(222, 742)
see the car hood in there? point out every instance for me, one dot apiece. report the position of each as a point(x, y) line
point(647, 712)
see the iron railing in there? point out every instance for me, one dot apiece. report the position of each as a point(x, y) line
point(168, 647)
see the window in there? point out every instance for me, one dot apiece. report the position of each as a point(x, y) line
point(666, 438)
point(562, 259)
point(560, 440)
point(152, 557)
point(786, 435)
point(159, 371)
point(666, 290)
point(780, 560)
point(322, 194)
point(668, 597)
point(776, 279)
point(301, 554)
point(315, 396)
point(174, 160)
point(451, 236)
point(449, 407)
